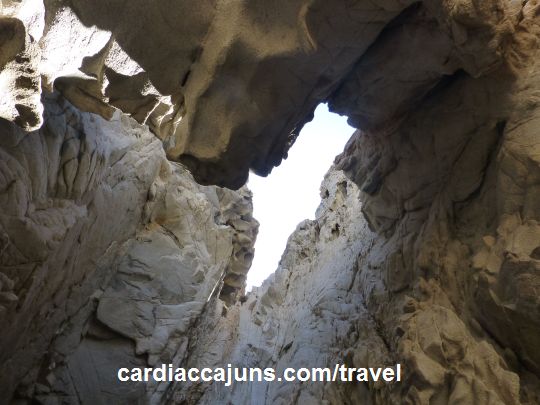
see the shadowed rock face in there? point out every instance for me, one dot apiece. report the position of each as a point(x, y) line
point(426, 253)
point(228, 85)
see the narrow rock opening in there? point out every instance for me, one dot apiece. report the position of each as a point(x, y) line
point(291, 193)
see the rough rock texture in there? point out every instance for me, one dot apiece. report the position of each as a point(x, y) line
point(109, 253)
point(310, 313)
point(429, 256)
point(441, 273)
point(336, 298)
point(446, 279)
point(228, 85)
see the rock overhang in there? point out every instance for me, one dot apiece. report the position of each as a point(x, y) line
point(227, 86)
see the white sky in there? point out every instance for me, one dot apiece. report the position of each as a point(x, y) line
point(290, 193)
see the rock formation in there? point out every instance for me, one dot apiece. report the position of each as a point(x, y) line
point(228, 85)
point(427, 253)
point(339, 297)
point(109, 255)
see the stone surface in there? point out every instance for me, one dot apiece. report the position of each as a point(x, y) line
point(440, 274)
point(338, 297)
point(427, 253)
point(234, 90)
point(228, 85)
point(109, 255)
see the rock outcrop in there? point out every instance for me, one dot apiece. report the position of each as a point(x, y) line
point(109, 255)
point(338, 297)
point(228, 85)
point(440, 273)
point(309, 313)
point(426, 254)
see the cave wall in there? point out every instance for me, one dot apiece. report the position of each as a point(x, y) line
point(338, 297)
point(440, 273)
point(228, 85)
point(230, 95)
point(426, 254)
point(309, 313)
point(109, 255)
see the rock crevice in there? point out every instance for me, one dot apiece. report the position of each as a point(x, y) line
point(424, 251)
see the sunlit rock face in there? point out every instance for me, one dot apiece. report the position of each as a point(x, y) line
point(441, 271)
point(310, 313)
point(109, 254)
point(425, 251)
point(342, 294)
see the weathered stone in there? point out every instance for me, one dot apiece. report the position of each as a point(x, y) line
point(101, 229)
point(111, 255)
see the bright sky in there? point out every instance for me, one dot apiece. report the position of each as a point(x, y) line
point(290, 193)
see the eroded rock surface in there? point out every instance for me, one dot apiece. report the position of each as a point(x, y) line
point(109, 255)
point(440, 274)
point(338, 297)
point(427, 256)
point(228, 85)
